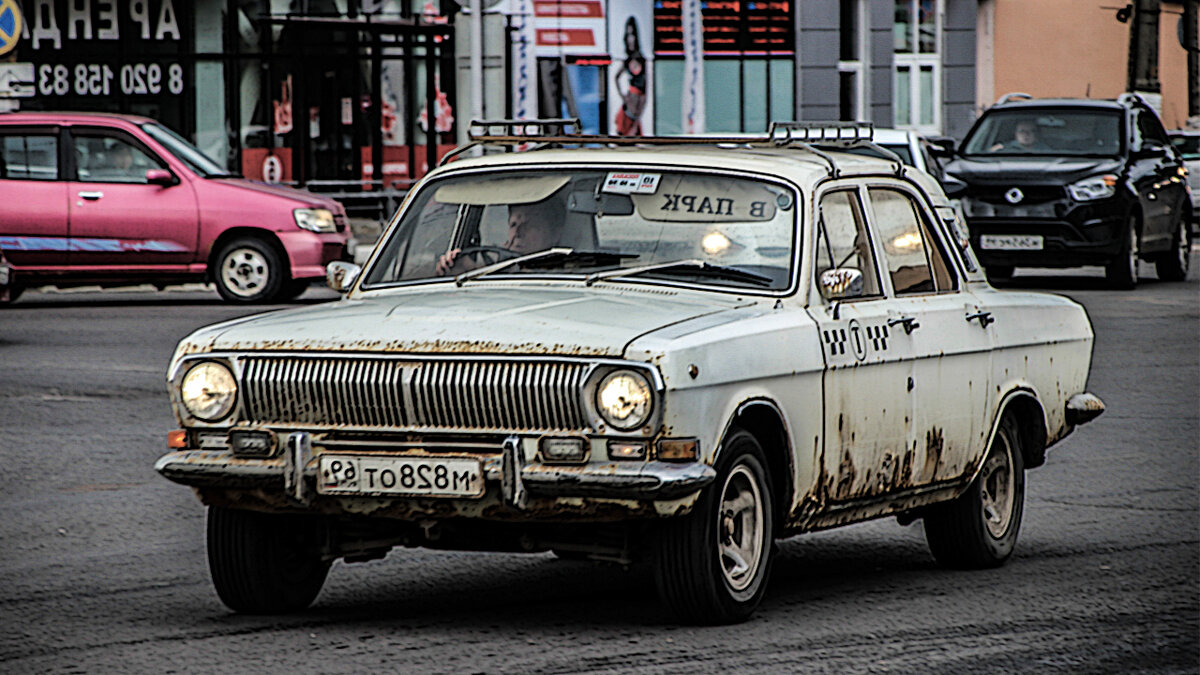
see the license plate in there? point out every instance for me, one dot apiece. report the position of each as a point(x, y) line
point(415, 476)
point(1011, 242)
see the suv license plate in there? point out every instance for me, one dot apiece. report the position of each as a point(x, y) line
point(1011, 242)
point(417, 476)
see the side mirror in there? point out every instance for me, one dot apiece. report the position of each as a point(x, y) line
point(1150, 150)
point(953, 187)
point(941, 146)
point(161, 177)
point(340, 275)
point(841, 283)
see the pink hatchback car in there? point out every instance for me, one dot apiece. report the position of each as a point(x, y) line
point(99, 199)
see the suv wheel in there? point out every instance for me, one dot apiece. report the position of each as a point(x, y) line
point(1173, 264)
point(713, 564)
point(249, 270)
point(999, 272)
point(1122, 271)
point(264, 563)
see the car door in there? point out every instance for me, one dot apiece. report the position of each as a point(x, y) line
point(33, 197)
point(117, 219)
point(944, 331)
point(1162, 183)
point(866, 369)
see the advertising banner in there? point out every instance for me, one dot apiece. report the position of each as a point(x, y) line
point(631, 75)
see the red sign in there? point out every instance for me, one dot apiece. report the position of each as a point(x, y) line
point(568, 9)
point(566, 37)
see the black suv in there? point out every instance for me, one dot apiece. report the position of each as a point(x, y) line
point(1069, 182)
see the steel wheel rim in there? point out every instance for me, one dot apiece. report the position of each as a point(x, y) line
point(1133, 254)
point(245, 272)
point(740, 532)
point(997, 491)
point(1183, 246)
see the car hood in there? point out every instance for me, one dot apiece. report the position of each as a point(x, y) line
point(307, 198)
point(484, 318)
point(1030, 169)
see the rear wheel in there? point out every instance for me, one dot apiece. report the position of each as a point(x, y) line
point(1173, 265)
point(264, 563)
point(979, 528)
point(249, 270)
point(1122, 271)
point(713, 564)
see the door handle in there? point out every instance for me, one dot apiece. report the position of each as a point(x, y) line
point(910, 323)
point(984, 318)
point(91, 196)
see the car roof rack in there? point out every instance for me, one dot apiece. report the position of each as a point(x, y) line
point(1014, 96)
point(536, 134)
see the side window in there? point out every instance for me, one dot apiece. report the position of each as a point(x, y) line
point(1150, 129)
point(915, 259)
point(110, 159)
point(842, 239)
point(29, 155)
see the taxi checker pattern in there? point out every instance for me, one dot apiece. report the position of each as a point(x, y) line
point(837, 338)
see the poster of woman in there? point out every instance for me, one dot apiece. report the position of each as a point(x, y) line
point(631, 77)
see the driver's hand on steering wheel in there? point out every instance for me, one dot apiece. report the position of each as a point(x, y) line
point(451, 263)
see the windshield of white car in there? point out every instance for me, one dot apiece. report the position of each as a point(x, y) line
point(1058, 132)
point(187, 153)
point(594, 220)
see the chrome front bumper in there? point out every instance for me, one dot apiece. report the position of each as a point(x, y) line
point(295, 473)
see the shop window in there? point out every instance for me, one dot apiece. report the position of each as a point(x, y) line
point(734, 93)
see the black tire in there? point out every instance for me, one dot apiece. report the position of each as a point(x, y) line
point(1122, 271)
point(263, 563)
point(9, 295)
point(713, 564)
point(1173, 264)
point(999, 272)
point(248, 270)
point(979, 529)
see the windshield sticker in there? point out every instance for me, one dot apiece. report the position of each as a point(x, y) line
point(627, 183)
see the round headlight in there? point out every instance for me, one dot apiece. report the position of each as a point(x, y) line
point(624, 399)
point(209, 391)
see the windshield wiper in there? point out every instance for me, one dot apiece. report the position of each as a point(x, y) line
point(548, 258)
point(694, 266)
point(583, 258)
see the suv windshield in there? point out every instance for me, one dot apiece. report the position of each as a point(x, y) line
point(601, 221)
point(1058, 132)
point(186, 152)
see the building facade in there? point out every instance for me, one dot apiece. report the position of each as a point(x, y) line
point(303, 91)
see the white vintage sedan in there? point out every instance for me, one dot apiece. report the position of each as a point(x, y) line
point(620, 350)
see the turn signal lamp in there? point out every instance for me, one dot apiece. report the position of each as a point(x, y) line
point(177, 439)
point(679, 449)
point(627, 450)
point(571, 450)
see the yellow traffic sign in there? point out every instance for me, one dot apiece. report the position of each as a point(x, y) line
point(10, 25)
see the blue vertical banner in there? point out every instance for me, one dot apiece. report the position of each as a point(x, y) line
point(524, 61)
point(693, 68)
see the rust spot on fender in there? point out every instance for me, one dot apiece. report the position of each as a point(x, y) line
point(934, 444)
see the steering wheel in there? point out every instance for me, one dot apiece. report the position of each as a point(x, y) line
point(488, 255)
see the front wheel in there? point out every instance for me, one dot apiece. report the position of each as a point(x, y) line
point(1122, 271)
point(264, 563)
point(1173, 264)
point(712, 565)
point(248, 270)
point(979, 528)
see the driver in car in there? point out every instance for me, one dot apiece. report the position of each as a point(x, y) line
point(531, 227)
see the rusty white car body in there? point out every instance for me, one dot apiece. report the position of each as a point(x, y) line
point(749, 342)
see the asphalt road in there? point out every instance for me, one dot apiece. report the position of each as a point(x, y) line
point(102, 562)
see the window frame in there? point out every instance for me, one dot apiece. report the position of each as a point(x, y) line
point(930, 229)
point(47, 130)
point(88, 131)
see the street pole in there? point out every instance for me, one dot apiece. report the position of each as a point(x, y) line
point(1190, 40)
point(1143, 49)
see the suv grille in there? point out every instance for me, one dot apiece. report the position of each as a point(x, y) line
point(1033, 194)
point(393, 393)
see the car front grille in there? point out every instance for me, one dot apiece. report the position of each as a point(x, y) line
point(1030, 194)
point(376, 393)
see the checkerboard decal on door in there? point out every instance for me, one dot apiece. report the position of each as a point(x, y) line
point(836, 340)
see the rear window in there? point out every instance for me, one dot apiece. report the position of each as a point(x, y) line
point(29, 156)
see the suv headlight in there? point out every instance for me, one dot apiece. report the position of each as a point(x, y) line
point(315, 220)
point(208, 391)
point(625, 399)
point(1094, 187)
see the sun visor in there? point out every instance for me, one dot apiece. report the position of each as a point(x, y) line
point(682, 198)
point(500, 190)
